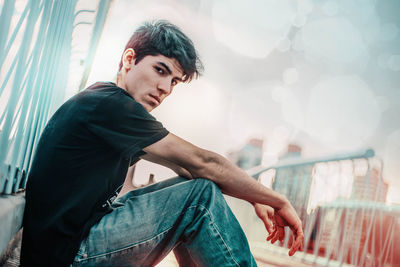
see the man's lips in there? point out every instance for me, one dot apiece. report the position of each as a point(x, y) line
point(156, 99)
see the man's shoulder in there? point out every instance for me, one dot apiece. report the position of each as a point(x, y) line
point(100, 93)
point(101, 90)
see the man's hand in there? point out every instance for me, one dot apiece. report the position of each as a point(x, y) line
point(276, 220)
point(266, 214)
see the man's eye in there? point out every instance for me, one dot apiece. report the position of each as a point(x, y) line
point(159, 70)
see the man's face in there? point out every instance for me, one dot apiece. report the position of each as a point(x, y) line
point(151, 80)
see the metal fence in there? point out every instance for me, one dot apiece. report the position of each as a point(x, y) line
point(35, 56)
point(341, 201)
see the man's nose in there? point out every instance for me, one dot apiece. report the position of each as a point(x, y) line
point(165, 86)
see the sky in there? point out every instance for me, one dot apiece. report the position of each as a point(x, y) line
point(321, 74)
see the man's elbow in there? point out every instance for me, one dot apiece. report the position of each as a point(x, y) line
point(182, 172)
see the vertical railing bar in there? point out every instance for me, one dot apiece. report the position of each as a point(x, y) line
point(390, 234)
point(320, 232)
point(339, 240)
point(5, 20)
point(14, 34)
point(357, 238)
point(344, 240)
point(361, 247)
point(391, 244)
point(329, 247)
point(21, 93)
point(8, 75)
point(373, 227)
point(368, 230)
point(381, 234)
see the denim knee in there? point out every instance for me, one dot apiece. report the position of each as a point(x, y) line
point(209, 191)
point(207, 184)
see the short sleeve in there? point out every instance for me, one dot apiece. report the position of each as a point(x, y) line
point(125, 125)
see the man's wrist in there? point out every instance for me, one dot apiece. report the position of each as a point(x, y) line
point(283, 201)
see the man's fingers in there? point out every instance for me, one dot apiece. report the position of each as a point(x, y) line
point(268, 225)
point(273, 240)
point(282, 233)
point(271, 235)
point(297, 245)
point(278, 234)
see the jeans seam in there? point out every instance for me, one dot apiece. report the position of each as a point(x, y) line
point(127, 247)
point(216, 229)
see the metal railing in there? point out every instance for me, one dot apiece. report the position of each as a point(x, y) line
point(35, 55)
point(341, 202)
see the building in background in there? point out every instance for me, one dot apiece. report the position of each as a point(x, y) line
point(250, 155)
point(293, 151)
point(370, 187)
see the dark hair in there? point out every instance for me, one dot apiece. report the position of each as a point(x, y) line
point(162, 37)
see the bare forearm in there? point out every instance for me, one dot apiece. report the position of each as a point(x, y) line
point(235, 182)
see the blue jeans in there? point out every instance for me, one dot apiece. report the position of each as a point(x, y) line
point(190, 217)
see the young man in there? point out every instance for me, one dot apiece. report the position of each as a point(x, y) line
point(83, 156)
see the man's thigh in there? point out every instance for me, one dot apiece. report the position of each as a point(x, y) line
point(142, 228)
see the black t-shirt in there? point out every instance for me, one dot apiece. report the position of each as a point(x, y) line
point(79, 165)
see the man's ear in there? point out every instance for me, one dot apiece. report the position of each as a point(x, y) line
point(128, 58)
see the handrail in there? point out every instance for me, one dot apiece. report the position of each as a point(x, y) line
point(291, 162)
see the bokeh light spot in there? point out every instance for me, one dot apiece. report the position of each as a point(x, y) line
point(342, 112)
point(284, 45)
point(252, 29)
point(330, 8)
point(394, 62)
point(292, 109)
point(290, 76)
point(388, 32)
point(335, 40)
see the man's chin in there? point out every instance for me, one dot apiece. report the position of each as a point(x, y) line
point(149, 108)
